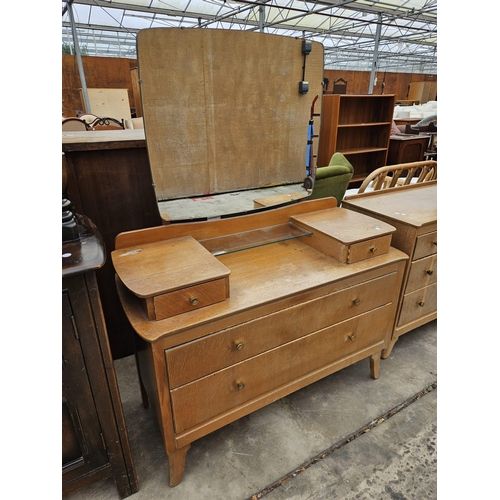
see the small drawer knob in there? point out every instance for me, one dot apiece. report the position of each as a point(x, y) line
point(356, 302)
point(373, 249)
point(240, 346)
point(352, 337)
point(430, 272)
point(435, 243)
point(193, 301)
point(240, 386)
point(421, 303)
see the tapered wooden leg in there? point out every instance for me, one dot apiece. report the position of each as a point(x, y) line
point(176, 461)
point(375, 365)
point(144, 394)
point(387, 352)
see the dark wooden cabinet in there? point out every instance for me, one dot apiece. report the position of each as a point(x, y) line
point(95, 442)
point(109, 181)
point(407, 148)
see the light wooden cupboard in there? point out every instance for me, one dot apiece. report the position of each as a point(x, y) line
point(423, 91)
point(412, 210)
point(112, 103)
point(359, 127)
point(233, 314)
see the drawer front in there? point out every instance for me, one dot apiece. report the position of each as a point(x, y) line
point(423, 273)
point(367, 249)
point(214, 394)
point(418, 304)
point(426, 245)
point(184, 300)
point(196, 359)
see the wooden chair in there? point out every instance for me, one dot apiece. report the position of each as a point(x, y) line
point(107, 123)
point(340, 86)
point(74, 125)
point(134, 123)
point(393, 176)
point(88, 118)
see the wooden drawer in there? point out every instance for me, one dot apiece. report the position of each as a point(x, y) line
point(196, 359)
point(190, 298)
point(418, 304)
point(237, 384)
point(345, 235)
point(426, 245)
point(422, 273)
point(172, 277)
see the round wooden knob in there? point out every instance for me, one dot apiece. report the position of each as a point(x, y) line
point(356, 302)
point(240, 386)
point(240, 346)
point(193, 301)
point(430, 272)
point(421, 303)
point(352, 337)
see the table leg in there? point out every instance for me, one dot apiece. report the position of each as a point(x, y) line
point(387, 352)
point(176, 461)
point(375, 365)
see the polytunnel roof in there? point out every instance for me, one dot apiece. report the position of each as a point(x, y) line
point(402, 33)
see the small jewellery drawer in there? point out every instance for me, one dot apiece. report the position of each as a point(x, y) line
point(189, 298)
point(423, 272)
point(426, 245)
point(367, 249)
point(200, 357)
point(418, 304)
point(172, 276)
point(345, 235)
point(254, 377)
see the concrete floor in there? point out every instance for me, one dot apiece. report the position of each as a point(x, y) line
point(345, 437)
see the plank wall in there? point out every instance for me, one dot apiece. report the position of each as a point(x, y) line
point(117, 73)
point(358, 82)
point(100, 72)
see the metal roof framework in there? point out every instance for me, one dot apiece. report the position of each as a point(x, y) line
point(386, 35)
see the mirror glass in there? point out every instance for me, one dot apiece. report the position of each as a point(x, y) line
point(227, 117)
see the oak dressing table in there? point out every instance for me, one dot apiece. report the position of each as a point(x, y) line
point(233, 314)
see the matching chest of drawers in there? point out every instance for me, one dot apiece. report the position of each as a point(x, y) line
point(412, 210)
point(295, 311)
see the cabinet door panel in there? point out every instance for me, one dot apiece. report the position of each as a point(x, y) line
point(78, 402)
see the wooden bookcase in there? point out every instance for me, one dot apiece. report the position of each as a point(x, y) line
point(359, 127)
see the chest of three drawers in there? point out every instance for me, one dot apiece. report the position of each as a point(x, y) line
point(412, 210)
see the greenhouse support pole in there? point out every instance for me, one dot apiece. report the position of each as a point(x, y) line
point(375, 54)
point(78, 58)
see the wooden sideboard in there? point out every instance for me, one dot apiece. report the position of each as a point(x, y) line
point(109, 180)
point(407, 148)
point(95, 442)
point(234, 314)
point(412, 210)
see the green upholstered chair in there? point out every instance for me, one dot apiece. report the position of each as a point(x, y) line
point(333, 179)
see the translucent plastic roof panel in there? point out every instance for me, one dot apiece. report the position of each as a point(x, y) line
point(403, 32)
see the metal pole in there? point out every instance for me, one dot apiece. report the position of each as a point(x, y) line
point(262, 15)
point(375, 54)
point(78, 58)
